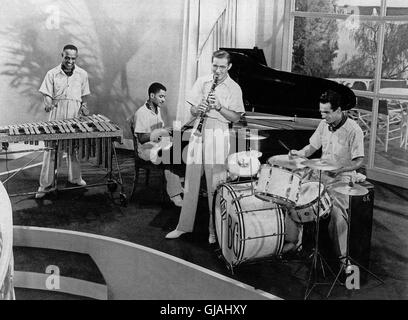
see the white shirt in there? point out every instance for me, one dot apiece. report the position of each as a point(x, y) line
point(66, 92)
point(342, 145)
point(228, 92)
point(59, 86)
point(146, 120)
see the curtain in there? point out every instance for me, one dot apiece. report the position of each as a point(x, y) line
point(208, 25)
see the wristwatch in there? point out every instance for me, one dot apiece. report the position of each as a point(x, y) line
point(218, 108)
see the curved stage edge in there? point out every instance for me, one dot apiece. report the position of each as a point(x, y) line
point(6, 246)
point(131, 271)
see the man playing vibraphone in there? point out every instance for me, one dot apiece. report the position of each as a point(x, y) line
point(65, 89)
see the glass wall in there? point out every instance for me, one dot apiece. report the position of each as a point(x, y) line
point(362, 44)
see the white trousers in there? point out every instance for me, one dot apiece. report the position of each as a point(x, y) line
point(47, 170)
point(338, 216)
point(205, 154)
point(173, 183)
point(65, 109)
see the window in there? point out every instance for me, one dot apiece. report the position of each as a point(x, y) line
point(362, 44)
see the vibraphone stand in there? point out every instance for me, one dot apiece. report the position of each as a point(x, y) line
point(112, 183)
point(5, 146)
point(89, 136)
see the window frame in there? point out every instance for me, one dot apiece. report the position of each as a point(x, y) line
point(373, 172)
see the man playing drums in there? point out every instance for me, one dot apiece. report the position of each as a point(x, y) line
point(341, 140)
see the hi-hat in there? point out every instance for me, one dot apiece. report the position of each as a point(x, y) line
point(321, 164)
point(284, 161)
point(346, 189)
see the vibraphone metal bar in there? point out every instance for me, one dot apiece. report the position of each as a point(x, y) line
point(92, 136)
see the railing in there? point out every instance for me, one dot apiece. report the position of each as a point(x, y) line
point(6, 247)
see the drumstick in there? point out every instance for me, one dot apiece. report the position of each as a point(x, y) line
point(283, 145)
point(286, 147)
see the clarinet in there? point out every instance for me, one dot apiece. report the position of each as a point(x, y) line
point(202, 115)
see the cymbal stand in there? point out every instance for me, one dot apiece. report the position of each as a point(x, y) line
point(317, 259)
point(249, 149)
point(348, 261)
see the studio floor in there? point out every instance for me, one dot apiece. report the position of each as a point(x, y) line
point(146, 221)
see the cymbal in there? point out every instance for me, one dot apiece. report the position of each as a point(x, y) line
point(346, 189)
point(251, 136)
point(319, 164)
point(283, 160)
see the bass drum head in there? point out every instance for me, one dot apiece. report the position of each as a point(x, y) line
point(247, 228)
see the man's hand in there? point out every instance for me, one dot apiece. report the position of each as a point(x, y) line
point(49, 107)
point(295, 153)
point(334, 173)
point(84, 110)
point(48, 103)
point(169, 130)
point(203, 107)
point(213, 101)
point(157, 134)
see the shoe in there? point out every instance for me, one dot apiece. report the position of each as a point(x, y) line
point(177, 200)
point(212, 239)
point(174, 234)
point(81, 183)
point(40, 193)
point(343, 263)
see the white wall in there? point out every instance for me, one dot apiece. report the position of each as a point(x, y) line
point(124, 45)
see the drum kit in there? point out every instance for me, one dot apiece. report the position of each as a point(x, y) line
point(249, 214)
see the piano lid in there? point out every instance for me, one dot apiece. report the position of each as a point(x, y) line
point(277, 92)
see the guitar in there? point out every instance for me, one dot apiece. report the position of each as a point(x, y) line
point(161, 141)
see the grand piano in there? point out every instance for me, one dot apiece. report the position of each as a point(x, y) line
point(282, 106)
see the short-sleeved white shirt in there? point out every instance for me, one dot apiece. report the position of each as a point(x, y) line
point(66, 92)
point(228, 93)
point(145, 121)
point(342, 145)
point(59, 86)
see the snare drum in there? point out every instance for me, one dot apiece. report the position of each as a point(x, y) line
point(247, 228)
point(278, 184)
point(307, 205)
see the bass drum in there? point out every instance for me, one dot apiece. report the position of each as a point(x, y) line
point(247, 228)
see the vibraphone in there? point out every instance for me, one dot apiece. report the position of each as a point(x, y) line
point(92, 136)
